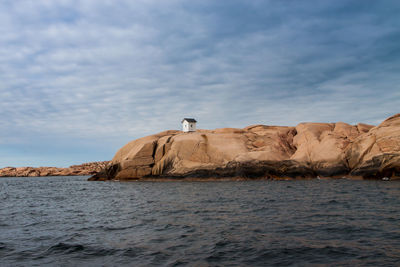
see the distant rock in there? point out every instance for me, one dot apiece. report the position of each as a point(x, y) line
point(260, 151)
point(90, 168)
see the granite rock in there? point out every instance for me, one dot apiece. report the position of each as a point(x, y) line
point(260, 151)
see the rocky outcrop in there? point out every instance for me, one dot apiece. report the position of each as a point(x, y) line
point(90, 168)
point(376, 154)
point(260, 151)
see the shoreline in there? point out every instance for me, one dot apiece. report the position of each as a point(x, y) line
point(217, 179)
point(238, 178)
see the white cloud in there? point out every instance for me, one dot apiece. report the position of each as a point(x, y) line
point(107, 72)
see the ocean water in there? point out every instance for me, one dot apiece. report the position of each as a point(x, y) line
point(67, 221)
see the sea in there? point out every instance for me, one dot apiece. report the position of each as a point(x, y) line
point(68, 221)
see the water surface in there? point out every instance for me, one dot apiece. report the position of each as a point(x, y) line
point(68, 221)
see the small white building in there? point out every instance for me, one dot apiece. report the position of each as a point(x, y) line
point(188, 125)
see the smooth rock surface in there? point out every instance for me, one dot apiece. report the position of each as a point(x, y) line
point(261, 151)
point(377, 153)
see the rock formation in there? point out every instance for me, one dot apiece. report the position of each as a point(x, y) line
point(260, 151)
point(90, 168)
point(377, 153)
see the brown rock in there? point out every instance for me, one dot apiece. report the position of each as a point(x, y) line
point(90, 168)
point(307, 150)
point(376, 153)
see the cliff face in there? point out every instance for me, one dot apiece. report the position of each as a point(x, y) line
point(307, 150)
point(90, 168)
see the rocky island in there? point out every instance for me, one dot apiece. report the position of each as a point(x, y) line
point(308, 150)
point(89, 168)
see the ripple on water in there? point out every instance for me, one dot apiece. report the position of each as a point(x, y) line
point(5, 249)
point(69, 221)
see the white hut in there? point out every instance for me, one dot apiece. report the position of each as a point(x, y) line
point(188, 125)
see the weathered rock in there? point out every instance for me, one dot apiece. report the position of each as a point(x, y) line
point(376, 154)
point(90, 168)
point(322, 146)
point(307, 150)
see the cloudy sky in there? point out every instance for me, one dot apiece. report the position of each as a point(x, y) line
point(80, 78)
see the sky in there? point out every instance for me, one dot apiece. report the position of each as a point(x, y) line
point(81, 78)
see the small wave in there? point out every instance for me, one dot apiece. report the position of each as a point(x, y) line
point(65, 248)
point(349, 230)
point(109, 228)
point(130, 252)
point(32, 224)
point(261, 209)
point(221, 244)
point(308, 254)
point(391, 236)
point(333, 202)
point(5, 249)
point(84, 251)
point(179, 262)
